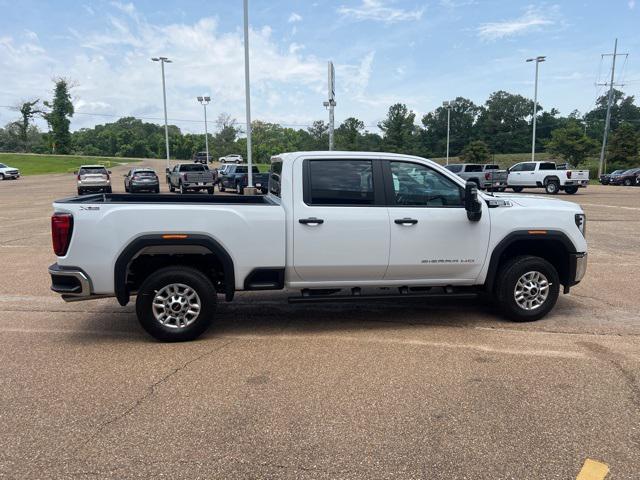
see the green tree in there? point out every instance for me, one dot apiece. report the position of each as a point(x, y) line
point(434, 135)
point(503, 122)
point(476, 151)
point(61, 109)
point(623, 146)
point(348, 134)
point(399, 129)
point(623, 109)
point(571, 143)
point(318, 138)
point(28, 110)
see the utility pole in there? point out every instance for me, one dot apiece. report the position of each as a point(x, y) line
point(535, 106)
point(447, 104)
point(247, 93)
point(331, 103)
point(205, 101)
point(162, 61)
point(602, 168)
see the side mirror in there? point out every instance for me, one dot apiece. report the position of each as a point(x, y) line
point(168, 170)
point(471, 203)
point(109, 172)
point(509, 170)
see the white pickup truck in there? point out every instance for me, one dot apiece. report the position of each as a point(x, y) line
point(546, 175)
point(338, 226)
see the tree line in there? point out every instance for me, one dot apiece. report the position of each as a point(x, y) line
point(501, 125)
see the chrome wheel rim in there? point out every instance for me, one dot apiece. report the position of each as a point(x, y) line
point(176, 305)
point(531, 291)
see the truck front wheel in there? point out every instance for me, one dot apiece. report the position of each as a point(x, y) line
point(176, 304)
point(527, 288)
point(516, 189)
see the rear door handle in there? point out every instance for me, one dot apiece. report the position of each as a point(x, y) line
point(405, 221)
point(311, 221)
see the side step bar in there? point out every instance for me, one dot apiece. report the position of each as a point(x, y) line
point(388, 296)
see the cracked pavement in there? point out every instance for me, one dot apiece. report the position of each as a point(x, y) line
point(364, 390)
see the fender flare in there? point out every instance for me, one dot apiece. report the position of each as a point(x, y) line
point(518, 235)
point(130, 251)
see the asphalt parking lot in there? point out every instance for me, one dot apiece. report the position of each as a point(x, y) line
point(384, 390)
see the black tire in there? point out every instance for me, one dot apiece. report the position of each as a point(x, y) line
point(220, 187)
point(1, 176)
point(157, 190)
point(508, 277)
point(211, 191)
point(517, 189)
point(80, 191)
point(160, 279)
point(552, 187)
point(171, 188)
point(627, 182)
point(182, 189)
point(239, 189)
point(570, 190)
point(126, 189)
point(501, 189)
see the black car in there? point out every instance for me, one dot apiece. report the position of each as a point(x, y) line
point(626, 178)
point(141, 180)
point(201, 157)
point(605, 178)
point(236, 177)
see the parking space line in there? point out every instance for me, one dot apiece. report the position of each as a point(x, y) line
point(593, 470)
point(608, 206)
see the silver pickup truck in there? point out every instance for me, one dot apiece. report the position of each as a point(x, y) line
point(486, 176)
point(190, 176)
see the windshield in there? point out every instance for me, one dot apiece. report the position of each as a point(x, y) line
point(2, 165)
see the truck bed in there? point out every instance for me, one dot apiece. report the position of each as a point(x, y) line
point(124, 198)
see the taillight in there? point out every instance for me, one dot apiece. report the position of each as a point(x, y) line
point(79, 178)
point(487, 175)
point(61, 230)
point(108, 177)
point(568, 173)
point(136, 177)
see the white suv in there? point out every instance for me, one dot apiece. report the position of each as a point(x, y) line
point(93, 178)
point(7, 172)
point(233, 158)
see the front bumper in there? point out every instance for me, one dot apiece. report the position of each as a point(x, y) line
point(577, 269)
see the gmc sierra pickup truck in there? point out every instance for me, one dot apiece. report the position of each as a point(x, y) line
point(546, 175)
point(486, 176)
point(338, 226)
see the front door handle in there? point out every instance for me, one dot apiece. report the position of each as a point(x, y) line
point(311, 221)
point(405, 221)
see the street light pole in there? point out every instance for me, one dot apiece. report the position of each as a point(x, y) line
point(205, 101)
point(538, 60)
point(162, 61)
point(446, 104)
point(247, 93)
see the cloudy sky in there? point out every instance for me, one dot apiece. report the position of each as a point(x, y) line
point(385, 51)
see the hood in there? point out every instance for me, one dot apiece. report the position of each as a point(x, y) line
point(539, 202)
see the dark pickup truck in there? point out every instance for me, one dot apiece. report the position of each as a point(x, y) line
point(236, 177)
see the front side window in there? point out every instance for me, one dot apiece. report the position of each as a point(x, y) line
point(517, 167)
point(340, 182)
point(274, 177)
point(454, 168)
point(418, 185)
point(528, 167)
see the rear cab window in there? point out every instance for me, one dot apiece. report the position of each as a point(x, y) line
point(195, 167)
point(338, 182)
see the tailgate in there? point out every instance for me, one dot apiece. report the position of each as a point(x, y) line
point(199, 177)
point(579, 174)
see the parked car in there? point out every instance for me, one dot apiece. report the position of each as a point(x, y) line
point(233, 158)
point(236, 177)
point(485, 176)
point(186, 177)
point(626, 178)
point(8, 173)
point(546, 175)
point(141, 180)
point(332, 221)
point(605, 178)
point(201, 157)
point(93, 178)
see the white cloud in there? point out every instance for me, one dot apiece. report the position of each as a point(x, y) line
point(294, 17)
point(532, 20)
point(379, 11)
point(631, 4)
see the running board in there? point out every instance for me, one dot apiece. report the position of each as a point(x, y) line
point(391, 296)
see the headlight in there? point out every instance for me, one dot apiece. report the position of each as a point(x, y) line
point(581, 222)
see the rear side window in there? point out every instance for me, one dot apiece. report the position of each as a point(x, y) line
point(547, 166)
point(241, 169)
point(339, 182)
point(473, 168)
point(92, 170)
point(491, 167)
point(274, 178)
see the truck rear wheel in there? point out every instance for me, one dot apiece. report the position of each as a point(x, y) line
point(552, 187)
point(571, 190)
point(516, 189)
point(176, 304)
point(527, 288)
